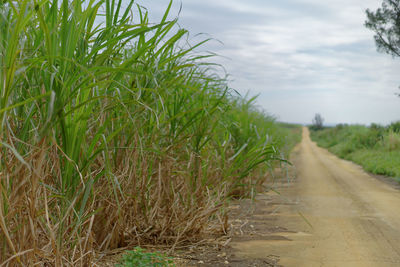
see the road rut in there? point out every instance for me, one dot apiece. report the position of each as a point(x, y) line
point(335, 215)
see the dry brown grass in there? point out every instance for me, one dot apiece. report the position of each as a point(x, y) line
point(163, 207)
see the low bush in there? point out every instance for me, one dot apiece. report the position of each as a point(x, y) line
point(395, 126)
point(391, 141)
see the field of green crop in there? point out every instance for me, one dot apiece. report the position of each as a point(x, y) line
point(375, 148)
point(291, 134)
point(116, 134)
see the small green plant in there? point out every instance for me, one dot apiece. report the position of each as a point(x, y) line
point(140, 258)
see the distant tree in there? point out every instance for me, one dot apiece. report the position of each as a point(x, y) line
point(317, 122)
point(385, 22)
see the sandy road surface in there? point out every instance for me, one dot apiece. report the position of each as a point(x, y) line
point(334, 215)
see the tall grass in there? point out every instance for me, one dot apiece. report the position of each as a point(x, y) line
point(114, 134)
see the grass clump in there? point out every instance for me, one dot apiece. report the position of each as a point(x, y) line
point(140, 258)
point(115, 134)
point(376, 148)
point(378, 161)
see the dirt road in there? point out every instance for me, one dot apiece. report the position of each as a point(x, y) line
point(333, 214)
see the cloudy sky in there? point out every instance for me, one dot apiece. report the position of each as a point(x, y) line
point(301, 56)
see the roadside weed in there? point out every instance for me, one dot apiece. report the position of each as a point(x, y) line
point(140, 258)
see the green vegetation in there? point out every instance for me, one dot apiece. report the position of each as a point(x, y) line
point(376, 148)
point(291, 134)
point(115, 134)
point(140, 258)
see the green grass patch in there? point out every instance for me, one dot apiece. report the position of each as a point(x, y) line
point(378, 162)
point(141, 258)
point(375, 148)
point(290, 136)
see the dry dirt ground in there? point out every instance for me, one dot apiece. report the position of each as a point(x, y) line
point(331, 214)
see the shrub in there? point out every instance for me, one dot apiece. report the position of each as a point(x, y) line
point(366, 138)
point(391, 141)
point(395, 127)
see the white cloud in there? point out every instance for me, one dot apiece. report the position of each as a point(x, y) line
point(302, 56)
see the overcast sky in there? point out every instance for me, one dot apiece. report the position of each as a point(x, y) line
point(301, 56)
